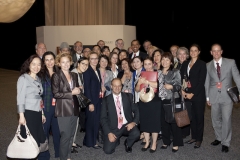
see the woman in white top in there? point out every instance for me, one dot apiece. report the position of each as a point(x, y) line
point(113, 64)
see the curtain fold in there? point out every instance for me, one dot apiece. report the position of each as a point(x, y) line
point(84, 12)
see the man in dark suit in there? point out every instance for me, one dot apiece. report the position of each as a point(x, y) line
point(117, 119)
point(220, 72)
point(136, 52)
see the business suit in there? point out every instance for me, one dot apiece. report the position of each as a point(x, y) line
point(66, 110)
point(92, 88)
point(221, 104)
point(143, 55)
point(109, 121)
point(196, 77)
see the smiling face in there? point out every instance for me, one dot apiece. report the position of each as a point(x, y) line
point(83, 65)
point(120, 44)
point(157, 57)
point(148, 65)
point(41, 49)
point(93, 60)
point(194, 52)
point(137, 64)
point(106, 52)
point(49, 61)
point(65, 63)
point(182, 55)
point(78, 47)
point(216, 52)
point(122, 55)
point(166, 62)
point(103, 63)
point(114, 59)
point(35, 66)
point(116, 86)
point(125, 65)
point(135, 46)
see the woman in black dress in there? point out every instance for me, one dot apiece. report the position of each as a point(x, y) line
point(150, 112)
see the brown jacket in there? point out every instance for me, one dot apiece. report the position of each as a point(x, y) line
point(66, 103)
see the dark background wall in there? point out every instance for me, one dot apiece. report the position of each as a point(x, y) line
point(162, 22)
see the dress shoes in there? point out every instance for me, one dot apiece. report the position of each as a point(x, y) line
point(152, 151)
point(127, 148)
point(143, 143)
point(190, 141)
point(174, 150)
point(74, 150)
point(224, 148)
point(77, 146)
point(164, 146)
point(216, 142)
point(197, 144)
point(97, 147)
point(145, 149)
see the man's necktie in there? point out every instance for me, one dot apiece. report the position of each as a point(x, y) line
point(118, 106)
point(218, 71)
point(134, 55)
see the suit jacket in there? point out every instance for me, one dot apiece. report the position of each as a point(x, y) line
point(141, 54)
point(229, 71)
point(109, 117)
point(29, 93)
point(197, 76)
point(66, 103)
point(92, 86)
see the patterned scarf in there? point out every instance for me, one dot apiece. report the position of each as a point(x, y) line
point(162, 92)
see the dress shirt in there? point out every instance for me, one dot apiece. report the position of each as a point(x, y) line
point(122, 111)
point(137, 54)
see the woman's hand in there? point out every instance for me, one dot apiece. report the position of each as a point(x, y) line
point(75, 91)
point(168, 86)
point(188, 96)
point(103, 89)
point(142, 80)
point(91, 107)
point(22, 120)
point(43, 118)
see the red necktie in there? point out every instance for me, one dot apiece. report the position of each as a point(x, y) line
point(118, 107)
point(218, 70)
point(134, 55)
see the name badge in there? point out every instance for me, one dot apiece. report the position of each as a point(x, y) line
point(120, 119)
point(219, 85)
point(189, 84)
point(53, 101)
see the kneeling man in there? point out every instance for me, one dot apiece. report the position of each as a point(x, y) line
point(119, 116)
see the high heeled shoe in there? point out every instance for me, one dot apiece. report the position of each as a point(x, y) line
point(152, 151)
point(144, 149)
point(191, 141)
point(174, 150)
point(164, 146)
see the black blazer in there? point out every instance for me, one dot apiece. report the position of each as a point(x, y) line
point(63, 94)
point(143, 55)
point(197, 76)
point(92, 86)
point(109, 118)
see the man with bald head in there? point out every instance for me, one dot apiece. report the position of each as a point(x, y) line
point(40, 49)
point(220, 73)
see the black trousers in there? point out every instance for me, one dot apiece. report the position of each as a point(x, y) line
point(170, 129)
point(133, 135)
point(197, 123)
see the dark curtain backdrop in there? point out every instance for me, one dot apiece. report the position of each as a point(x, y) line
point(182, 23)
point(162, 22)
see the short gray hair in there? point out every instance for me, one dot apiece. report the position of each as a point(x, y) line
point(183, 49)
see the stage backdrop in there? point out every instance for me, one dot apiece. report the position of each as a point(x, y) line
point(53, 36)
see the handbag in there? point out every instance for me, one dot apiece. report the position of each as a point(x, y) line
point(83, 100)
point(22, 148)
point(174, 111)
point(146, 94)
point(234, 94)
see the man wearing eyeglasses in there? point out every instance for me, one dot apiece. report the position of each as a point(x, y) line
point(77, 51)
point(40, 49)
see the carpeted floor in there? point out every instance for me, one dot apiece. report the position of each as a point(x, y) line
point(9, 122)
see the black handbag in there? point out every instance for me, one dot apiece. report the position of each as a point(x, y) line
point(83, 100)
point(234, 94)
point(176, 105)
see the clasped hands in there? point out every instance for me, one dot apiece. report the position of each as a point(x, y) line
point(187, 95)
point(112, 137)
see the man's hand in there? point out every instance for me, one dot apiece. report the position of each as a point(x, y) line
point(208, 103)
point(91, 107)
point(130, 126)
point(112, 137)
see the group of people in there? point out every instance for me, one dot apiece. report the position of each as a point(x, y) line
point(49, 83)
